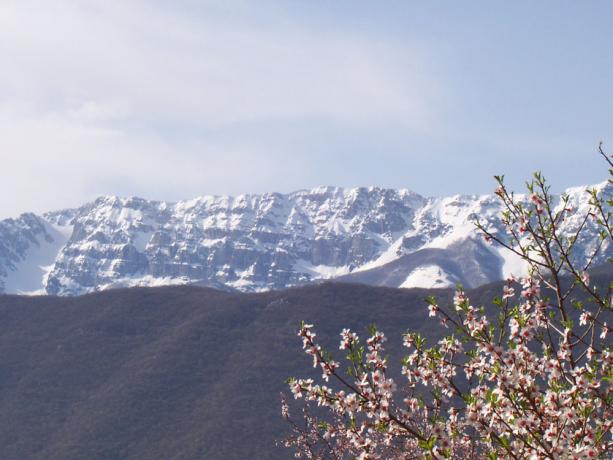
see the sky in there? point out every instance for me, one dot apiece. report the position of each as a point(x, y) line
point(172, 100)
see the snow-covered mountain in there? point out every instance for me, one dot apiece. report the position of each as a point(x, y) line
point(258, 242)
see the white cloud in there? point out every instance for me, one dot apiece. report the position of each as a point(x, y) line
point(108, 98)
point(181, 68)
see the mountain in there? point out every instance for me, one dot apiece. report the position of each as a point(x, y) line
point(259, 242)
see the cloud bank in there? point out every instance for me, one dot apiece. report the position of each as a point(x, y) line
point(172, 100)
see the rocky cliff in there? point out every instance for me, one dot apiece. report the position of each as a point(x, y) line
point(259, 242)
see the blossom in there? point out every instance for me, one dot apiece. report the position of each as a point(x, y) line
point(348, 339)
point(459, 299)
point(508, 292)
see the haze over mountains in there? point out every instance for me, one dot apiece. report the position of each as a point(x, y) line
point(378, 236)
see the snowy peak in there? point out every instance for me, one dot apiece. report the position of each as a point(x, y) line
point(256, 242)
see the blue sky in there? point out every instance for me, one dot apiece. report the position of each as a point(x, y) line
point(169, 100)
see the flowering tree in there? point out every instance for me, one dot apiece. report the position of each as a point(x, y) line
point(532, 381)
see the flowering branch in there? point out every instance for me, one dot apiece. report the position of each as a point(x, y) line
point(531, 382)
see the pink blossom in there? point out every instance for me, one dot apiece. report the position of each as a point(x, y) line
point(508, 292)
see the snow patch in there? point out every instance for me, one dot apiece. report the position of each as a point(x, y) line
point(141, 239)
point(30, 275)
point(512, 265)
point(146, 281)
point(320, 271)
point(429, 277)
point(393, 252)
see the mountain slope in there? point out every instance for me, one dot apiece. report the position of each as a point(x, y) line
point(469, 262)
point(256, 242)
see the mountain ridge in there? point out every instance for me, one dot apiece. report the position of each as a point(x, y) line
point(249, 242)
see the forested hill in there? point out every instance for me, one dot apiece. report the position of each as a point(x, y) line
point(174, 372)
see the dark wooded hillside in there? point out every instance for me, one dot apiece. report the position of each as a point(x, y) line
point(174, 372)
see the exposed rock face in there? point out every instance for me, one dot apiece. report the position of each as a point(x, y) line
point(255, 242)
